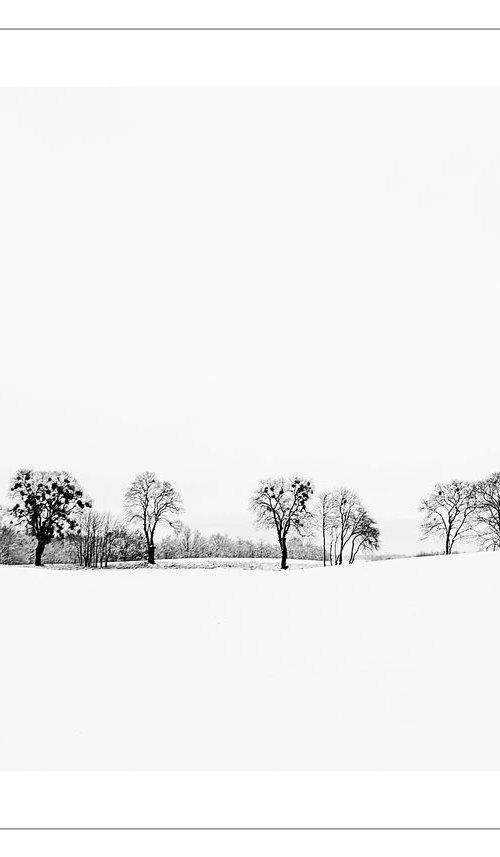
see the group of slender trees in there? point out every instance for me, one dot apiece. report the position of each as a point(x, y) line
point(51, 508)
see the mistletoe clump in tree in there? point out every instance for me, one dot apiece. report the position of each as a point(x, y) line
point(47, 505)
point(282, 504)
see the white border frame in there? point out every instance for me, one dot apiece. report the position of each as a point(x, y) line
point(259, 13)
point(250, 799)
point(249, 59)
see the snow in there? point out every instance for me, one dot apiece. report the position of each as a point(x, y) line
point(380, 665)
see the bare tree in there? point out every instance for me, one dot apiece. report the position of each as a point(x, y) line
point(8, 539)
point(15, 547)
point(351, 527)
point(324, 515)
point(449, 512)
point(486, 518)
point(219, 545)
point(149, 502)
point(128, 544)
point(365, 535)
point(85, 538)
point(108, 538)
point(186, 539)
point(283, 504)
point(344, 514)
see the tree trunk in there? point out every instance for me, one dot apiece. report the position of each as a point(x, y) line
point(284, 554)
point(151, 554)
point(40, 547)
point(324, 545)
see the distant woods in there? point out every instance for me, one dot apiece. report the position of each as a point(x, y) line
point(51, 518)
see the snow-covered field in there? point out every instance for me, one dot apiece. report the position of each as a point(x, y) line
point(391, 664)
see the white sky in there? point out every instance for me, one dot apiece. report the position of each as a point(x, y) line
point(220, 285)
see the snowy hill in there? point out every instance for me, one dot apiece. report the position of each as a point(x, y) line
point(378, 665)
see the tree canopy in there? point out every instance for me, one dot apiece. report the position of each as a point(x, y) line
point(47, 505)
point(150, 501)
point(283, 504)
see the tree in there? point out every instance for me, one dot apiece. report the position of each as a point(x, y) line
point(48, 503)
point(324, 512)
point(365, 534)
point(186, 539)
point(15, 547)
point(198, 544)
point(283, 504)
point(350, 526)
point(98, 534)
point(129, 544)
point(8, 543)
point(149, 502)
point(86, 538)
point(449, 512)
point(344, 514)
point(486, 518)
point(219, 544)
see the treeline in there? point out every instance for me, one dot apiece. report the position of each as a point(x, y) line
point(51, 517)
point(51, 513)
point(103, 540)
point(191, 543)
